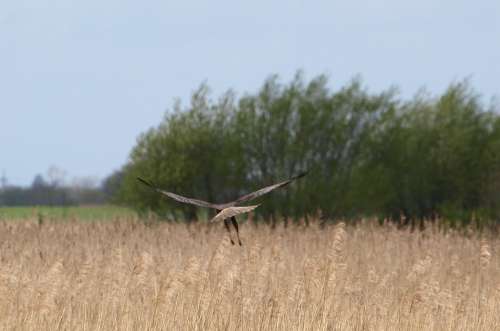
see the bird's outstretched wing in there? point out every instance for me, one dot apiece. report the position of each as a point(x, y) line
point(231, 212)
point(266, 189)
point(179, 198)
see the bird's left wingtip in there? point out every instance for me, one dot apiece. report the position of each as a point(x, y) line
point(302, 174)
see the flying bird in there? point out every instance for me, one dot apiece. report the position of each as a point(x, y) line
point(225, 211)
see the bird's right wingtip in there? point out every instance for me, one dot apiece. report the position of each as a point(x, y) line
point(300, 175)
point(145, 182)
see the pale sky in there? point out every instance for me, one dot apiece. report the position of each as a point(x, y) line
point(80, 80)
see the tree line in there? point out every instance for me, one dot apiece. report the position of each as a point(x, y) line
point(52, 191)
point(367, 153)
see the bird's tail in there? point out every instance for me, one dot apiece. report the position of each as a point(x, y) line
point(231, 212)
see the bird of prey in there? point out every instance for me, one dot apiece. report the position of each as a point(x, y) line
point(225, 211)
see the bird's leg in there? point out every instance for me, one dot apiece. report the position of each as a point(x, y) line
point(226, 224)
point(235, 224)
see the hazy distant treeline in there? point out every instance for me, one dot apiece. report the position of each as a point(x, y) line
point(43, 192)
point(367, 153)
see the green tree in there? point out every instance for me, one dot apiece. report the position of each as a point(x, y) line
point(368, 153)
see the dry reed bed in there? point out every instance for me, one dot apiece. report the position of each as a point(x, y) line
point(126, 275)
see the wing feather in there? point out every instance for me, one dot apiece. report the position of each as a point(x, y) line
point(267, 189)
point(178, 197)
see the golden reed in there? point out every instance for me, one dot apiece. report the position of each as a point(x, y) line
point(125, 274)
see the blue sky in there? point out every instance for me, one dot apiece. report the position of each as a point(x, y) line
point(80, 80)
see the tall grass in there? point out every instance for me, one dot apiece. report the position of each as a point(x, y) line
point(129, 275)
point(93, 212)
